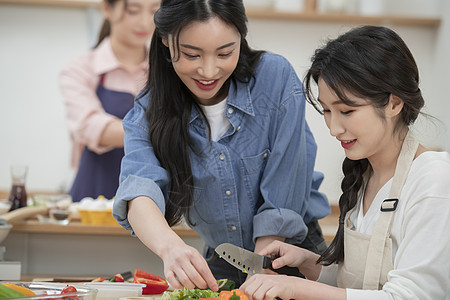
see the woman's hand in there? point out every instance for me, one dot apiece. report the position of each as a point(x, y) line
point(184, 266)
point(293, 256)
point(269, 287)
point(263, 286)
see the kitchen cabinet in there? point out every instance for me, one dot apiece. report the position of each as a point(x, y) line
point(308, 15)
point(76, 250)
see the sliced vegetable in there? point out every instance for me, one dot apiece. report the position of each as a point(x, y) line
point(21, 289)
point(117, 278)
point(232, 295)
point(154, 284)
point(226, 284)
point(187, 294)
point(98, 279)
point(8, 292)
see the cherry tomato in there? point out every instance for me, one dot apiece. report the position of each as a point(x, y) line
point(69, 289)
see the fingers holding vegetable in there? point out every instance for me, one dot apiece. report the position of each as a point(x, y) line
point(184, 266)
point(206, 276)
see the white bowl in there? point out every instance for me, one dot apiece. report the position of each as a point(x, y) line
point(4, 207)
point(4, 231)
point(116, 290)
point(52, 291)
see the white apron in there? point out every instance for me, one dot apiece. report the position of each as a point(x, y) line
point(368, 258)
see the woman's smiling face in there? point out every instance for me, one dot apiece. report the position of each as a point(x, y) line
point(361, 129)
point(208, 55)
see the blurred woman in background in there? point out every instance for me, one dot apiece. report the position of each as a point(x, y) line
point(98, 89)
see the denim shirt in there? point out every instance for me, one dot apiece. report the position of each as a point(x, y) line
point(257, 180)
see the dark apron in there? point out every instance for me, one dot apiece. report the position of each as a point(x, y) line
point(221, 269)
point(98, 174)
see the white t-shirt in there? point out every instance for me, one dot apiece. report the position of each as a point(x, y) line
point(217, 119)
point(420, 234)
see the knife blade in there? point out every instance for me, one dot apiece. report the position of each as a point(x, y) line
point(250, 262)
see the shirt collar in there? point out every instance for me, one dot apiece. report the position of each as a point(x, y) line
point(239, 96)
point(105, 60)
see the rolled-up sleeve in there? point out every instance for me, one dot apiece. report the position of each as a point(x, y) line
point(141, 173)
point(85, 115)
point(286, 181)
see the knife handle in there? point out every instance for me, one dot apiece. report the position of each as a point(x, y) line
point(291, 271)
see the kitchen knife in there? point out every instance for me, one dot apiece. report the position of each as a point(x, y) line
point(250, 262)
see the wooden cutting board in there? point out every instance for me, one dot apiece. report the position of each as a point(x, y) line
point(23, 213)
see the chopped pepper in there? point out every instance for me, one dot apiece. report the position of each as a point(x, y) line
point(226, 284)
point(232, 295)
point(154, 284)
point(117, 278)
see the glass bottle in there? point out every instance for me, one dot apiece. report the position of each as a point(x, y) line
point(18, 194)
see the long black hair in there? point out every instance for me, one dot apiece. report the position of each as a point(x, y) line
point(105, 30)
point(169, 111)
point(373, 63)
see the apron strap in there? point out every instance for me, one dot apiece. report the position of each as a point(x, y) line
point(382, 227)
point(102, 79)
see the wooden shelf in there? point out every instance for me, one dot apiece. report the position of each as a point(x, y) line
point(270, 14)
point(57, 3)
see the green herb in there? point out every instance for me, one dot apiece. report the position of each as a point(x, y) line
point(187, 294)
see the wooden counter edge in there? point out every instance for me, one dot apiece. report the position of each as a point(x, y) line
point(328, 224)
point(78, 228)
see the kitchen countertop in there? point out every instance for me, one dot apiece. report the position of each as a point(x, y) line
point(94, 250)
point(328, 224)
point(75, 227)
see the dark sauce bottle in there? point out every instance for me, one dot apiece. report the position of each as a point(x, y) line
point(18, 194)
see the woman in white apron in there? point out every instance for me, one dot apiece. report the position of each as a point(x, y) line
point(393, 240)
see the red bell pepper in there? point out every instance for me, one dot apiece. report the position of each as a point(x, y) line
point(153, 284)
point(117, 278)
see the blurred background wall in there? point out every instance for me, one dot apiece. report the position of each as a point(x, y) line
point(37, 41)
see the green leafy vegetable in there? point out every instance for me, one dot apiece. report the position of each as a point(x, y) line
point(187, 294)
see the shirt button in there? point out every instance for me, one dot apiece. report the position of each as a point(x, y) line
point(228, 193)
point(265, 155)
point(233, 228)
point(230, 110)
point(238, 128)
point(222, 156)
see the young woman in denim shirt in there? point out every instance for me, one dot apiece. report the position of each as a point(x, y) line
point(219, 137)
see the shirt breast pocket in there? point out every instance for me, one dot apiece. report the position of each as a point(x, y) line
point(206, 208)
point(252, 168)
